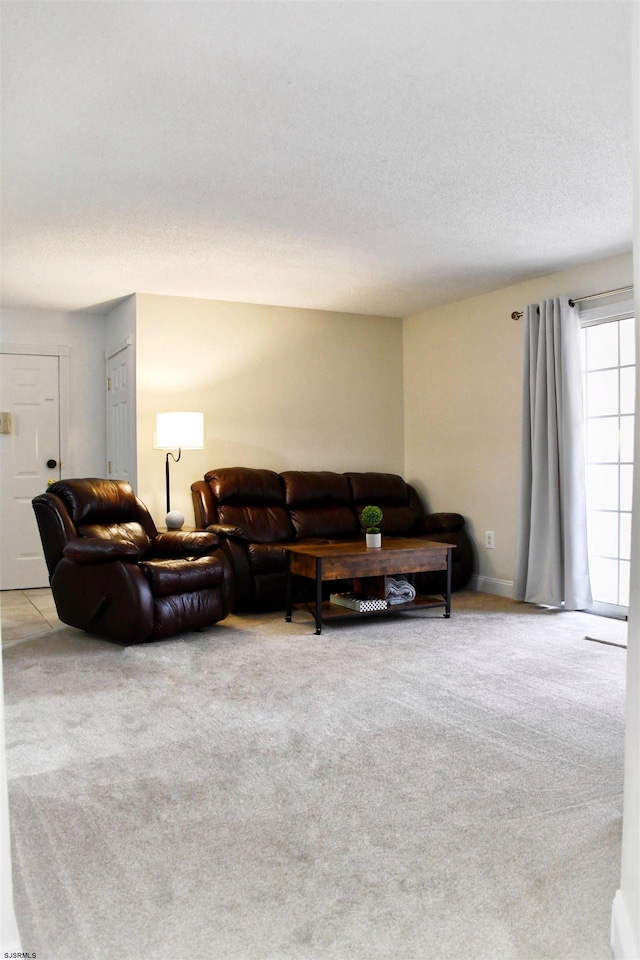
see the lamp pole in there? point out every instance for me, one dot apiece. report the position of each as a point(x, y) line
point(166, 473)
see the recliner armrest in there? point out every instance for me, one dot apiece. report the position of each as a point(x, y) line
point(98, 550)
point(229, 532)
point(175, 544)
point(440, 523)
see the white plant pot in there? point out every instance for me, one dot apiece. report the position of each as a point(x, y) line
point(374, 539)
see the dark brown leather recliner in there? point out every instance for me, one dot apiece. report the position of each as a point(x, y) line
point(113, 574)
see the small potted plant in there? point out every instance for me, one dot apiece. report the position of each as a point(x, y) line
point(371, 518)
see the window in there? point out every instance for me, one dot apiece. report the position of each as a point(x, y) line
point(608, 346)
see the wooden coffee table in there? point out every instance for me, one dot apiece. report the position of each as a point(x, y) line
point(368, 568)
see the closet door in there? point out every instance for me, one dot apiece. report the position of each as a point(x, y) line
point(30, 452)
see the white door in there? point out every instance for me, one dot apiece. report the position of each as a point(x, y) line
point(30, 456)
point(119, 407)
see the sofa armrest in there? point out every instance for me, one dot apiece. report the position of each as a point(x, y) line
point(227, 531)
point(204, 504)
point(440, 523)
point(98, 550)
point(184, 543)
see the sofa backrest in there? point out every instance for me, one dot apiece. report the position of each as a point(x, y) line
point(319, 504)
point(273, 508)
point(252, 500)
point(389, 492)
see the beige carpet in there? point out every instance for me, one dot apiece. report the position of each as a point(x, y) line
point(406, 788)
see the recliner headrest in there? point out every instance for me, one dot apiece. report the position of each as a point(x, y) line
point(93, 500)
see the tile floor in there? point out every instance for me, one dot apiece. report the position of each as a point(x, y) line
point(26, 613)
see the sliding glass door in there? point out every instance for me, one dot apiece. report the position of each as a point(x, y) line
point(609, 397)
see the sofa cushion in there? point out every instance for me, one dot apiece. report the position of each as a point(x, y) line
point(389, 492)
point(314, 487)
point(169, 577)
point(253, 501)
point(325, 523)
point(257, 524)
point(245, 485)
point(378, 488)
point(267, 558)
point(319, 504)
point(397, 521)
point(130, 531)
point(184, 543)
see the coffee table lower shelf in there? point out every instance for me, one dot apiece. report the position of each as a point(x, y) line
point(333, 611)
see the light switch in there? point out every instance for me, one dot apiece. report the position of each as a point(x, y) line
point(5, 422)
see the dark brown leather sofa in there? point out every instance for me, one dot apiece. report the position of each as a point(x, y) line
point(113, 574)
point(254, 512)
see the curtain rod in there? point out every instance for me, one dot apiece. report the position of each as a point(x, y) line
point(592, 296)
point(596, 296)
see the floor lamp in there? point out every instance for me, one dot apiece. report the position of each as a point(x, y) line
point(181, 431)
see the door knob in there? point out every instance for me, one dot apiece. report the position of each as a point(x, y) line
point(52, 463)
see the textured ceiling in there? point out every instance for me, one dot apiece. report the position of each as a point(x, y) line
point(372, 157)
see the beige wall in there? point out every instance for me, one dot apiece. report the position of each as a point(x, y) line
point(462, 384)
point(120, 324)
point(280, 388)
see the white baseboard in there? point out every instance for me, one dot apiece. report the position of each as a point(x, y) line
point(624, 941)
point(501, 588)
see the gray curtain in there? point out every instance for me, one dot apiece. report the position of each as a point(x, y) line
point(552, 565)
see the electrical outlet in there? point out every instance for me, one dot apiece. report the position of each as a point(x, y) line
point(488, 540)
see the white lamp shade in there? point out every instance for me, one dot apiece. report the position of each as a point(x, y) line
point(179, 431)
